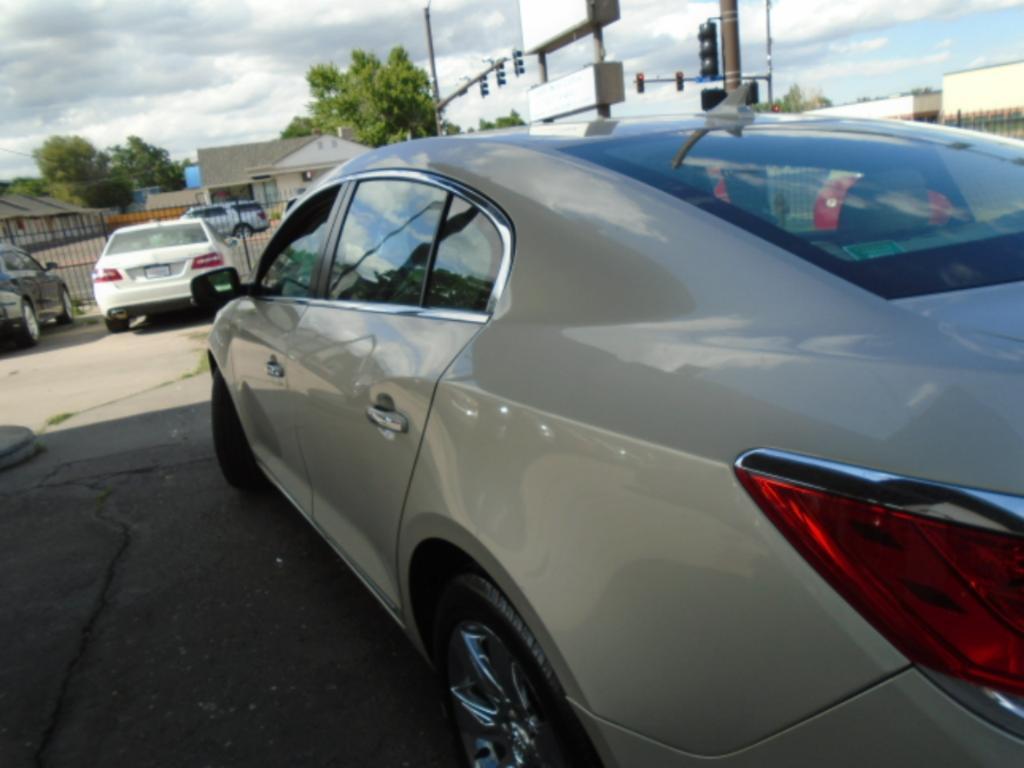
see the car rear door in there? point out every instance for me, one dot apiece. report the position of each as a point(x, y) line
point(262, 328)
point(367, 357)
point(31, 279)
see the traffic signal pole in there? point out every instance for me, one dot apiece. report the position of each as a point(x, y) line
point(433, 69)
point(731, 44)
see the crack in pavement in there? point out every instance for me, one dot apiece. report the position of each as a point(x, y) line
point(100, 605)
point(45, 482)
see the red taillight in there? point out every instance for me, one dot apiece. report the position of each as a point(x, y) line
point(208, 260)
point(106, 276)
point(949, 596)
point(262, 215)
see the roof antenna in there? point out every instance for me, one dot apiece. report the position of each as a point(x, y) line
point(732, 115)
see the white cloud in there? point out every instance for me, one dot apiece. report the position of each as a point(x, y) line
point(860, 46)
point(190, 73)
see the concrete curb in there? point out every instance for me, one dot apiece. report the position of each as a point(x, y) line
point(17, 444)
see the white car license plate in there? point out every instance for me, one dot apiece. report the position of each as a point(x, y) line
point(160, 270)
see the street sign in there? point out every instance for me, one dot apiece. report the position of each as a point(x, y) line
point(549, 25)
point(593, 85)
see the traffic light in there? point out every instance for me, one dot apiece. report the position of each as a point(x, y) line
point(754, 94)
point(517, 63)
point(484, 88)
point(679, 81)
point(708, 38)
point(711, 98)
point(499, 74)
point(639, 82)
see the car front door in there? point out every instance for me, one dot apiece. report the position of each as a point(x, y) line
point(262, 326)
point(30, 280)
point(49, 286)
point(409, 285)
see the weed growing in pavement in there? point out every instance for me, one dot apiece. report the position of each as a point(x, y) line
point(203, 366)
point(58, 418)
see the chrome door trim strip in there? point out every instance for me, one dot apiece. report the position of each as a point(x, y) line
point(406, 310)
point(941, 501)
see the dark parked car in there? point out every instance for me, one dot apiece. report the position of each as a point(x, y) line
point(29, 293)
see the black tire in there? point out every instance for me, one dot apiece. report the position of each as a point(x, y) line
point(473, 607)
point(117, 324)
point(243, 230)
point(67, 314)
point(237, 463)
point(28, 334)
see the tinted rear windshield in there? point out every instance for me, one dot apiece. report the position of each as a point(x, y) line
point(897, 209)
point(158, 237)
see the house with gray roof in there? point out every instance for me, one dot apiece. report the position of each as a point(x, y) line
point(271, 171)
point(26, 220)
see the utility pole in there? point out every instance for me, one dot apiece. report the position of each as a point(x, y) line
point(731, 44)
point(603, 110)
point(433, 69)
point(768, 26)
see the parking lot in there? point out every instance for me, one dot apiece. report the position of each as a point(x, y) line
point(151, 615)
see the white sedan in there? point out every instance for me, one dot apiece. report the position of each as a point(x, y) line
point(148, 269)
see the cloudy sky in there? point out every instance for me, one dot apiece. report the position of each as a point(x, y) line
point(194, 73)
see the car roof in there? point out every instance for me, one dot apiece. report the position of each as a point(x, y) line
point(550, 137)
point(160, 223)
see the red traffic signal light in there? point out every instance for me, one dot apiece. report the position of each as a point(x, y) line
point(679, 81)
point(776, 108)
point(639, 82)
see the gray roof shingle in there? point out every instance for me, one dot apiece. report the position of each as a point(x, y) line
point(222, 166)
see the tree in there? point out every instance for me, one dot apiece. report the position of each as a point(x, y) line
point(144, 165)
point(301, 125)
point(24, 185)
point(510, 120)
point(382, 102)
point(75, 171)
point(797, 100)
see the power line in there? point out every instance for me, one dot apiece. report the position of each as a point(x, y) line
point(16, 152)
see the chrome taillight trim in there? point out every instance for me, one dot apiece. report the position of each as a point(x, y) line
point(942, 501)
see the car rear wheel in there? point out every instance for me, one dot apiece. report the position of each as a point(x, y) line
point(234, 455)
point(506, 705)
point(28, 336)
point(67, 314)
point(243, 230)
point(117, 324)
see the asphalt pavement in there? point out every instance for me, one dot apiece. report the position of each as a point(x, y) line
point(150, 615)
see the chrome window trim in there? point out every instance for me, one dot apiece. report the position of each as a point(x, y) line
point(999, 512)
point(406, 310)
point(497, 217)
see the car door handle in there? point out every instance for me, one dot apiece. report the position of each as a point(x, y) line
point(275, 369)
point(393, 421)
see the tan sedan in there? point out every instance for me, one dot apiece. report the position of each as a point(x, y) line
point(668, 442)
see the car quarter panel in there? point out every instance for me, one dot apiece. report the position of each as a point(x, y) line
point(585, 442)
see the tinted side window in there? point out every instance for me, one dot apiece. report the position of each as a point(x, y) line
point(290, 271)
point(468, 257)
point(16, 261)
point(385, 244)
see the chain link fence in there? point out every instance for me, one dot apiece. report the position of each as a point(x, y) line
point(75, 248)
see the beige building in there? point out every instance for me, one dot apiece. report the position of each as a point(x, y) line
point(997, 88)
point(924, 107)
point(271, 171)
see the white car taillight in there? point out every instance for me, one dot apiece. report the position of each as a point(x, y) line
point(208, 260)
point(106, 276)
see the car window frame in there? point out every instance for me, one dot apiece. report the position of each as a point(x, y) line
point(492, 211)
point(273, 250)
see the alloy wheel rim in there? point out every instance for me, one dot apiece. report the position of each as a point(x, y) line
point(31, 323)
point(500, 722)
